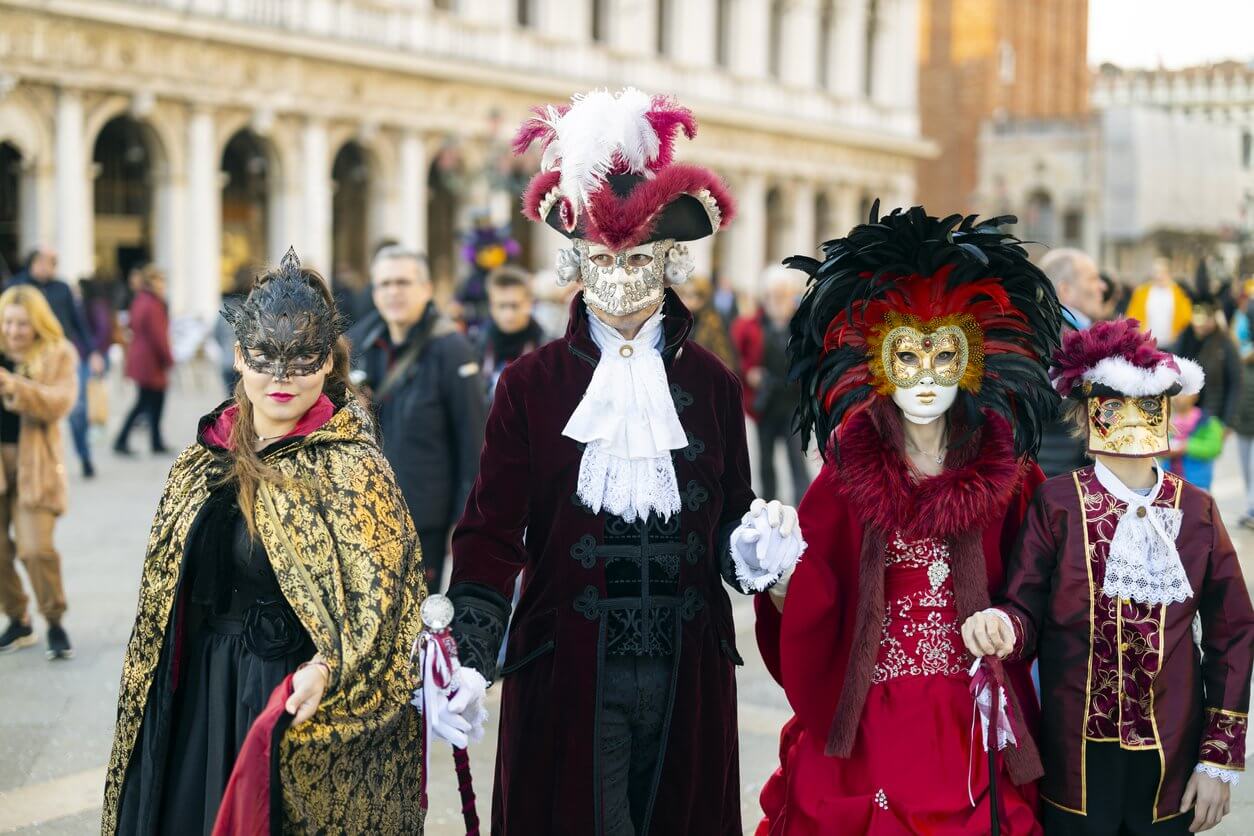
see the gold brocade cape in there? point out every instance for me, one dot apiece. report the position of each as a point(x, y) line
point(346, 557)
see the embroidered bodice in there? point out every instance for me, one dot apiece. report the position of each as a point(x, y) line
point(920, 635)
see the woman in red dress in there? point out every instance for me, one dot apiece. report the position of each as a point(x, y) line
point(921, 346)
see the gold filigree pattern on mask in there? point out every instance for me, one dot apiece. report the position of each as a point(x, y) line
point(904, 350)
point(1131, 426)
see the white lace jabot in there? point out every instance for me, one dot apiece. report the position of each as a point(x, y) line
point(1143, 563)
point(628, 423)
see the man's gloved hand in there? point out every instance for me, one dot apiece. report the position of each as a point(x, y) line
point(766, 545)
point(458, 719)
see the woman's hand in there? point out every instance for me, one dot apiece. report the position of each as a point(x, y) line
point(309, 683)
point(985, 634)
point(6, 382)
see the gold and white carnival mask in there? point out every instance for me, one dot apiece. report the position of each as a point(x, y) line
point(621, 283)
point(923, 366)
point(1134, 427)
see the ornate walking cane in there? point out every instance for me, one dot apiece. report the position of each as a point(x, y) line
point(438, 650)
point(988, 687)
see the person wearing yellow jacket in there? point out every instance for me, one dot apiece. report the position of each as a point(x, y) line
point(1161, 305)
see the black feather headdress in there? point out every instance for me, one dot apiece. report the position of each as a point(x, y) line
point(956, 272)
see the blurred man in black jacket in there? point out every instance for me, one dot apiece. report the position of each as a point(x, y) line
point(423, 377)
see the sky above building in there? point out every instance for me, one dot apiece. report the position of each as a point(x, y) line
point(1170, 33)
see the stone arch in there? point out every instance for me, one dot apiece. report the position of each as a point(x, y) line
point(129, 168)
point(27, 215)
point(1039, 221)
point(252, 202)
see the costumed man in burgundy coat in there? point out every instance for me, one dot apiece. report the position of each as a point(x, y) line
point(1115, 564)
point(615, 479)
point(921, 346)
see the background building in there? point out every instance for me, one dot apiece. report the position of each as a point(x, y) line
point(1163, 166)
point(211, 134)
point(998, 60)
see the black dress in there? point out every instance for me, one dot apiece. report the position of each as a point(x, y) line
point(239, 640)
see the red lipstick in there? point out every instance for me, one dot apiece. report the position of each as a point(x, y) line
point(281, 397)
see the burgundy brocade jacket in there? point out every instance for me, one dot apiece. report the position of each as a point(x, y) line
point(1121, 671)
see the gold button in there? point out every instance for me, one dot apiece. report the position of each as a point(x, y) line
point(626, 351)
point(1140, 512)
point(1124, 647)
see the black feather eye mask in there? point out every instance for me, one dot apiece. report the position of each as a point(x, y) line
point(285, 327)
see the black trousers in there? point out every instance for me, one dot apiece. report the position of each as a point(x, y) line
point(434, 542)
point(771, 431)
point(632, 718)
point(150, 403)
point(1122, 786)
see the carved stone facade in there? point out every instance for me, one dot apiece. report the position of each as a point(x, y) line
point(424, 97)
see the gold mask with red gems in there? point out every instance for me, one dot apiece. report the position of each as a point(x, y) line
point(1133, 427)
point(905, 350)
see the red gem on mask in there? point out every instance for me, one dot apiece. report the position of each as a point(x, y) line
point(927, 344)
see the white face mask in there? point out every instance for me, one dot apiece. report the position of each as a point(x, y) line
point(925, 402)
point(621, 283)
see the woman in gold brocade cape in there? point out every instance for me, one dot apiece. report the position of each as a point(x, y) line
point(281, 587)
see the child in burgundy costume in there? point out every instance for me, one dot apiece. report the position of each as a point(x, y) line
point(1114, 565)
point(615, 479)
point(921, 348)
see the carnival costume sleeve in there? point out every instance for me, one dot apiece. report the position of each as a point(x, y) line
point(1227, 648)
point(1028, 578)
point(488, 550)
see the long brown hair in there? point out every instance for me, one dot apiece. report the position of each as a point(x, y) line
point(246, 468)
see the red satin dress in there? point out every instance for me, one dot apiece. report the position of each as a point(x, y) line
point(913, 758)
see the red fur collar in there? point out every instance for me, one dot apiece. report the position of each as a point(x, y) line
point(875, 479)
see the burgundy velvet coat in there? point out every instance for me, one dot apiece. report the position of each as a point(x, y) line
point(523, 515)
point(823, 647)
point(1052, 593)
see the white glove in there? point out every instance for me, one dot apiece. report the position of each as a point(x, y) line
point(457, 720)
point(766, 545)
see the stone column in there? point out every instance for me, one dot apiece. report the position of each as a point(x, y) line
point(563, 20)
point(74, 214)
point(489, 12)
point(632, 26)
point(800, 40)
point(906, 60)
point(314, 239)
point(203, 218)
point(747, 233)
point(848, 48)
point(750, 32)
point(546, 242)
point(696, 32)
point(412, 218)
point(883, 45)
point(847, 209)
point(803, 239)
point(38, 223)
point(702, 252)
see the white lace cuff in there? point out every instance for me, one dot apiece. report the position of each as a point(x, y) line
point(1231, 777)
